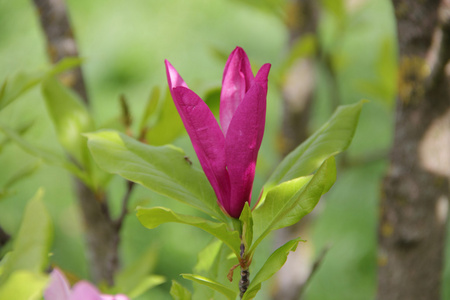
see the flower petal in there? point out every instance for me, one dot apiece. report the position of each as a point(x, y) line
point(206, 137)
point(58, 288)
point(242, 145)
point(262, 75)
point(173, 77)
point(237, 79)
point(115, 297)
point(83, 290)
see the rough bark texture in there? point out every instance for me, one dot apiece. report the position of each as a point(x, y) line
point(102, 233)
point(415, 196)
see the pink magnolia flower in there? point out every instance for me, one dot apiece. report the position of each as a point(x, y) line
point(59, 289)
point(228, 154)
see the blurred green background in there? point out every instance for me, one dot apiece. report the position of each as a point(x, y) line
point(124, 44)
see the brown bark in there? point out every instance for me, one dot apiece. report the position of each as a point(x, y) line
point(416, 189)
point(102, 232)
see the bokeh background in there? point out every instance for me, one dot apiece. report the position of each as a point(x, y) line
point(124, 44)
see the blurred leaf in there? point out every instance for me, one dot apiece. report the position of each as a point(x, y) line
point(287, 203)
point(335, 7)
point(303, 47)
point(382, 84)
point(212, 99)
point(168, 126)
point(32, 243)
point(153, 217)
point(148, 117)
point(65, 64)
point(247, 226)
point(270, 267)
point(17, 85)
point(45, 155)
point(145, 284)
point(230, 294)
point(17, 176)
point(274, 7)
point(70, 118)
point(179, 292)
point(208, 262)
point(161, 169)
point(23, 285)
point(20, 131)
point(332, 138)
point(135, 277)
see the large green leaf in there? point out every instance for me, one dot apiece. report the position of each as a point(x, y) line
point(153, 217)
point(332, 138)
point(270, 267)
point(230, 294)
point(32, 244)
point(287, 203)
point(162, 169)
point(70, 118)
point(23, 285)
point(179, 292)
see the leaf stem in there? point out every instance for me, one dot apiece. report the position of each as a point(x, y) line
point(245, 273)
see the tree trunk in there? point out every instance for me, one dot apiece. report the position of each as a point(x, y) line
point(415, 196)
point(102, 233)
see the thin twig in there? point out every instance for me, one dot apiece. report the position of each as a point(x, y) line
point(4, 237)
point(315, 268)
point(124, 210)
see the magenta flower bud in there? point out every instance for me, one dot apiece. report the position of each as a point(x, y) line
point(228, 153)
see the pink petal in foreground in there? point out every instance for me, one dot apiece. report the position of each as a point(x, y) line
point(242, 145)
point(237, 79)
point(116, 297)
point(58, 288)
point(83, 290)
point(206, 137)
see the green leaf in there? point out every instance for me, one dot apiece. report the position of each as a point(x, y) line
point(161, 169)
point(17, 85)
point(153, 217)
point(287, 203)
point(247, 226)
point(209, 261)
point(145, 284)
point(230, 294)
point(168, 125)
point(135, 277)
point(32, 244)
point(270, 267)
point(332, 138)
point(70, 118)
point(24, 285)
point(179, 292)
point(148, 117)
point(45, 155)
